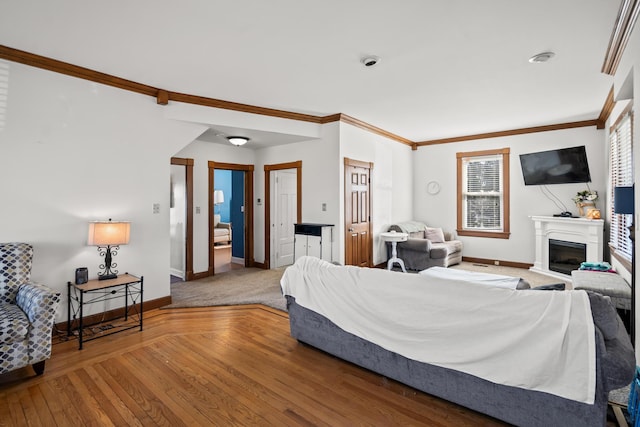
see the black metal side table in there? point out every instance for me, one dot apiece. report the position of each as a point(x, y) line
point(125, 286)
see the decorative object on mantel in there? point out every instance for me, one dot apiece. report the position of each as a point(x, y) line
point(585, 200)
point(593, 214)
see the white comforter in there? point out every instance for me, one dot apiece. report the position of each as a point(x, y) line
point(538, 340)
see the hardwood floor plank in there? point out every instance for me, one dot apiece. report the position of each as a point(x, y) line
point(234, 365)
point(137, 412)
point(147, 399)
point(42, 408)
point(118, 411)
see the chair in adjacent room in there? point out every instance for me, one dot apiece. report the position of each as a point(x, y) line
point(27, 311)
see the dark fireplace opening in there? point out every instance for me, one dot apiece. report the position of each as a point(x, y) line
point(564, 257)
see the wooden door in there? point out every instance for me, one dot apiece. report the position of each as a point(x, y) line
point(285, 215)
point(358, 242)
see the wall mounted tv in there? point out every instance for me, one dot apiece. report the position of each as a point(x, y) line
point(563, 166)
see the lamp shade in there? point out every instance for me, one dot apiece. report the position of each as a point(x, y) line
point(623, 200)
point(218, 197)
point(108, 233)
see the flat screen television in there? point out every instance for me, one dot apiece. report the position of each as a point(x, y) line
point(563, 166)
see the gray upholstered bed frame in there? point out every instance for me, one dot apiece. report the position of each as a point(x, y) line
point(514, 405)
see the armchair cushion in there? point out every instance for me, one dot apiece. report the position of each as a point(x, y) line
point(436, 235)
point(15, 268)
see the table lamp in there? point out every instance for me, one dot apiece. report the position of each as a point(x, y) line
point(218, 198)
point(108, 236)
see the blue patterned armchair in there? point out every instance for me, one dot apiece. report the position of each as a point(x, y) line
point(27, 311)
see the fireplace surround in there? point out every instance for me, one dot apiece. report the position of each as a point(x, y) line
point(576, 235)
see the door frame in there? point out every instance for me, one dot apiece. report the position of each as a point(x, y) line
point(267, 202)
point(188, 164)
point(249, 260)
point(346, 201)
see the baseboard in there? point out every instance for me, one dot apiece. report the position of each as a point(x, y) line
point(200, 275)
point(237, 260)
point(176, 272)
point(502, 263)
point(118, 312)
point(482, 261)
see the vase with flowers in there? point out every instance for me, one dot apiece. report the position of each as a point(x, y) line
point(585, 200)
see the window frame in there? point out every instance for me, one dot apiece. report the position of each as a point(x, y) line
point(505, 232)
point(618, 224)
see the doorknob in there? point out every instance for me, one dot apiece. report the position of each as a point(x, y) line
point(351, 230)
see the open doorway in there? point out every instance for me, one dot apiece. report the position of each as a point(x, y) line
point(228, 220)
point(180, 219)
point(231, 218)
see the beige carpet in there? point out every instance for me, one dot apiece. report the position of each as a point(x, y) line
point(235, 287)
point(257, 286)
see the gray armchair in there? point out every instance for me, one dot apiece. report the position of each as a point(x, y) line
point(426, 247)
point(27, 311)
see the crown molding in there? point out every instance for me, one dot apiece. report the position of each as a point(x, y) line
point(521, 131)
point(626, 19)
point(374, 129)
point(163, 97)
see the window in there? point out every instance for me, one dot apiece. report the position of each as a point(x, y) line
point(621, 170)
point(483, 193)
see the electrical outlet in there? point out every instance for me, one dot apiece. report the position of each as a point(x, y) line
point(156, 208)
point(197, 209)
point(324, 207)
point(496, 262)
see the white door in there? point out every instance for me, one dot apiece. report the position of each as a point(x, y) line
point(177, 221)
point(285, 215)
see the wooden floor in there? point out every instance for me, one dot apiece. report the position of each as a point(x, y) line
point(213, 366)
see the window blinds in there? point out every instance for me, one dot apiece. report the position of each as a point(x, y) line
point(621, 167)
point(483, 193)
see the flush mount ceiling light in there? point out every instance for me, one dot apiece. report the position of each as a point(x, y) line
point(238, 140)
point(541, 57)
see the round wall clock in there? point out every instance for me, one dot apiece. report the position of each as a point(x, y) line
point(433, 187)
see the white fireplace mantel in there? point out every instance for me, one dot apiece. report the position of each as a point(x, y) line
point(578, 230)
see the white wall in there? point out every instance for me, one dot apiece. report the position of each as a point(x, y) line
point(391, 181)
point(320, 171)
point(72, 151)
point(202, 152)
point(438, 162)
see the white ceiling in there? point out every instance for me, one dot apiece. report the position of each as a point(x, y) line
point(448, 67)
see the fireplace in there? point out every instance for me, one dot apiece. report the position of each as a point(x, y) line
point(564, 257)
point(561, 244)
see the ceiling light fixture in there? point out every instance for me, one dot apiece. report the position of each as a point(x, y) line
point(541, 57)
point(238, 140)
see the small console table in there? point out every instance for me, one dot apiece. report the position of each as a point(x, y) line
point(394, 237)
point(125, 286)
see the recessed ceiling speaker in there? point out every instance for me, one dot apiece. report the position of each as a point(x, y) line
point(370, 61)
